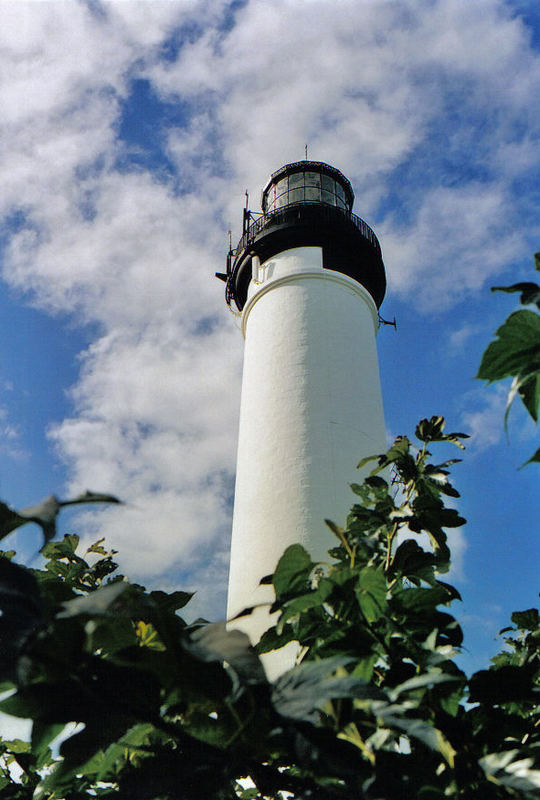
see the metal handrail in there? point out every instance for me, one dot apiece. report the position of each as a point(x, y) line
point(273, 218)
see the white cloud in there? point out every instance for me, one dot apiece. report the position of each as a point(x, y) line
point(459, 337)
point(460, 238)
point(484, 423)
point(369, 86)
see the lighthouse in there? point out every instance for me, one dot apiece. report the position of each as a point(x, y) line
point(307, 279)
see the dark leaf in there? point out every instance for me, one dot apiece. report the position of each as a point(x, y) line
point(529, 391)
point(20, 613)
point(535, 458)
point(300, 692)
point(44, 514)
point(530, 292)
point(171, 601)
point(273, 640)
point(311, 600)
point(432, 430)
point(503, 685)
point(42, 735)
point(411, 560)
point(528, 620)
point(421, 600)
point(213, 642)
point(90, 497)
point(371, 589)
point(293, 570)
point(95, 603)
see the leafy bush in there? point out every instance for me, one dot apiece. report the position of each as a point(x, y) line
point(376, 706)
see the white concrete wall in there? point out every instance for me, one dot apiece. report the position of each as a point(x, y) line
point(311, 408)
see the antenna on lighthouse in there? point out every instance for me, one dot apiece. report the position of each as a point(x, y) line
point(246, 217)
point(306, 151)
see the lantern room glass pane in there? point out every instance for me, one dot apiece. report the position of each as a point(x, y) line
point(271, 196)
point(328, 197)
point(340, 203)
point(328, 183)
point(296, 195)
point(296, 180)
point(313, 193)
point(313, 179)
point(282, 200)
point(281, 186)
point(340, 191)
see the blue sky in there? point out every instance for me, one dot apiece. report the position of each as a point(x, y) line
point(131, 131)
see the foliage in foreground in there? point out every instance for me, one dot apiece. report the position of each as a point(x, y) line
point(375, 708)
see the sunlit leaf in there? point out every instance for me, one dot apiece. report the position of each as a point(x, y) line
point(516, 348)
point(518, 769)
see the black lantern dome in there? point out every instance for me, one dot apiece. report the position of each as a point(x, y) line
point(307, 204)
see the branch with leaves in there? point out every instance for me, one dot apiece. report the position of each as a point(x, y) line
point(515, 352)
point(375, 708)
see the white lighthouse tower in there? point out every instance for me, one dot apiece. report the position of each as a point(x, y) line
point(308, 278)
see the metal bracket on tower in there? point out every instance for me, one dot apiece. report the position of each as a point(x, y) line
point(383, 321)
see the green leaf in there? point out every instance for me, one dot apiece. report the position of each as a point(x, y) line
point(147, 636)
point(370, 590)
point(44, 514)
point(272, 639)
point(21, 613)
point(310, 600)
point(535, 458)
point(432, 430)
point(300, 692)
point(293, 571)
point(529, 392)
point(412, 561)
point(364, 668)
point(17, 745)
point(42, 735)
point(516, 348)
point(528, 620)
point(427, 734)
point(171, 601)
point(421, 600)
point(213, 642)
